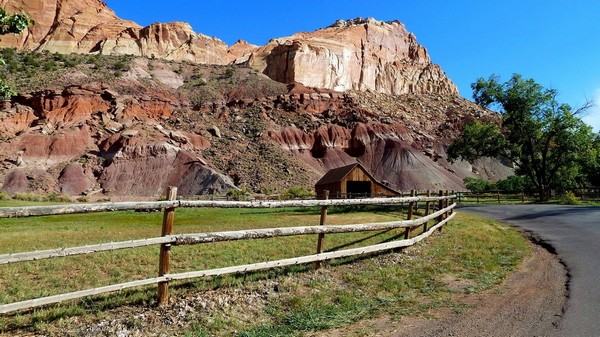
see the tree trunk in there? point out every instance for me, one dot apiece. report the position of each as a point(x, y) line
point(544, 195)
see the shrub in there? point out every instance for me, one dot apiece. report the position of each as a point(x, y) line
point(26, 196)
point(237, 195)
point(4, 196)
point(297, 192)
point(513, 184)
point(6, 92)
point(55, 197)
point(83, 198)
point(570, 199)
point(478, 185)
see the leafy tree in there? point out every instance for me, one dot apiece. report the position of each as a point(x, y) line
point(11, 23)
point(513, 184)
point(478, 184)
point(546, 140)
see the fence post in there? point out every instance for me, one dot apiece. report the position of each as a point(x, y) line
point(440, 207)
point(409, 214)
point(451, 200)
point(319, 264)
point(427, 207)
point(446, 203)
point(498, 195)
point(165, 249)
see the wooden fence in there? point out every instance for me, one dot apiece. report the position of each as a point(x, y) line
point(436, 208)
point(511, 197)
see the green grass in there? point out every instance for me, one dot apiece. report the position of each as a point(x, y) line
point(477, 253)
point(53, 276)
point(480, 252)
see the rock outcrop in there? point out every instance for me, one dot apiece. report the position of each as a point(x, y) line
point(89, 26)
point(359, 54)
point(354, 55)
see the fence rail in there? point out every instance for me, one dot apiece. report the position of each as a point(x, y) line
point(443, 214)
point(502, 196)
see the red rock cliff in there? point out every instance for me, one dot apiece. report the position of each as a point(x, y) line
point(355, 55)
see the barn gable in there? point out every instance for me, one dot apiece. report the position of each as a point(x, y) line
point(351, 181)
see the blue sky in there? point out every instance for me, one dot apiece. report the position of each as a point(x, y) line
point(557, 43)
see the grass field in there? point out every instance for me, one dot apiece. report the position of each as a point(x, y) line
point(479, 251)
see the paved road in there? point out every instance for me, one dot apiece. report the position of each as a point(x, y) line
point(574, 233)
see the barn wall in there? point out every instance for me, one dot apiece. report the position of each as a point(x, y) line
point(357, 174)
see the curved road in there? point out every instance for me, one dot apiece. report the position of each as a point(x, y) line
point(574, 233)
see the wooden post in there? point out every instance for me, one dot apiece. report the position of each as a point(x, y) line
point(440, 207)
point(522, 196)
point(498, 195)
point(427, 207)
point(319, 264)
point(477, 194)
point(165, 249)
point(409, 215)
point(447, 203)
point(449, 200)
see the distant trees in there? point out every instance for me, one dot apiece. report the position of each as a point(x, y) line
point(15, 24)
point(549, 144)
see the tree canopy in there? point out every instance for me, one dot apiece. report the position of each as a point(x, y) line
point(549, 144)
point(15, 24)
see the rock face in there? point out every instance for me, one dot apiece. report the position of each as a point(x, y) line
point(209, 128)
point(359, 54)
point(89, 26)
point(355, 55)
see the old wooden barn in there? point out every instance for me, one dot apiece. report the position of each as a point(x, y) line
point(351, 181)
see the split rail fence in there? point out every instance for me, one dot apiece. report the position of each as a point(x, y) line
point(437, 208)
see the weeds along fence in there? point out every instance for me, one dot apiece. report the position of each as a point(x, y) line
point(437, 209)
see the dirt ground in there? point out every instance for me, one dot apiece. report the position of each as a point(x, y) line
point(528, 303)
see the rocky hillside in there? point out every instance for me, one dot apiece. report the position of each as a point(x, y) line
point(275, 117)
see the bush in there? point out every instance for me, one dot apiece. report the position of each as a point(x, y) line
point(55, 197)
point(297, 192)
point(237, 195)
point(26, 196)
point(83, 198)
point(478, 185)
point(570, 199)
point(4, 196)
point(513, 184)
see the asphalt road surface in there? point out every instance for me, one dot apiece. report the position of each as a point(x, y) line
point(574, 233)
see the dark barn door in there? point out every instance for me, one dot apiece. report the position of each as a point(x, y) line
point(358, 188)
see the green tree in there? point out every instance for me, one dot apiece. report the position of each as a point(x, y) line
point(546, 140)
point(11, 23)
point(513, 184)
point(478, 184)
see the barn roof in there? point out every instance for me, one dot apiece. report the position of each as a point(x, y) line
point(337, 174)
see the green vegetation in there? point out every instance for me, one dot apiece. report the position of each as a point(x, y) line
point(11, 23)
point(550, 145)
point(298, 192)
point(51, 197)
point(29, 71)
point(478, 185)
point(477, 252)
